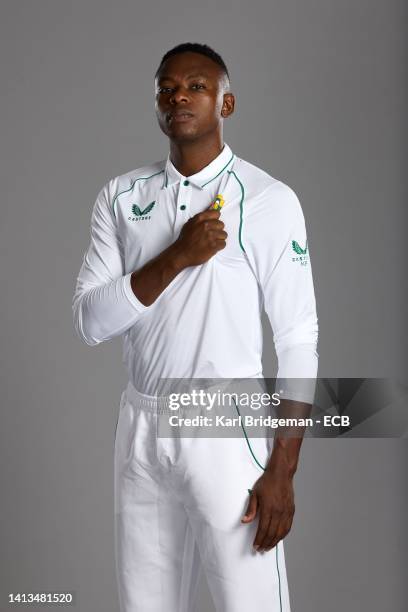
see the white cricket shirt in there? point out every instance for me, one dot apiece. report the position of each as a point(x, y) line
point(207, 322)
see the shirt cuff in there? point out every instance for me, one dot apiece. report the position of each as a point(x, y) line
point(297, 373)
point(128, 291)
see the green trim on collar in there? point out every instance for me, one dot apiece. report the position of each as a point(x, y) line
point(240, 209)
point(132, 184)
point(220, 172)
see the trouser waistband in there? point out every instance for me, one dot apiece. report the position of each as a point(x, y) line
point(165, 403)
point(153, 403)
point(162, 404)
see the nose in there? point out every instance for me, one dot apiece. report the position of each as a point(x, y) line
point(178, 96)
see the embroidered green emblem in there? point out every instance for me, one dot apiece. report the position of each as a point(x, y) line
point(302, 256)
point(298, 249)
point(141, 213)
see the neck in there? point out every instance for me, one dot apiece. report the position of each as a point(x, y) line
point(191, 157)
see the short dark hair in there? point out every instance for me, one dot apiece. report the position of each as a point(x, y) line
point(194, 48)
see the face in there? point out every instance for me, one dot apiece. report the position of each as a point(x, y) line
point(192, 98)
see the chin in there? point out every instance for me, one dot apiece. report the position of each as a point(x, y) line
point(180, 136)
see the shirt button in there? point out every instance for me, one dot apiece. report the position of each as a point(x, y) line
point(186, 182)
point(183, 207)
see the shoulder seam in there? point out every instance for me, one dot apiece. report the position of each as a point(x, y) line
point(132, 184)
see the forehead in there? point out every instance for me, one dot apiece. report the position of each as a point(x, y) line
point(185, 65)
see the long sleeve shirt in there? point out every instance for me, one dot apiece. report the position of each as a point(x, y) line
point(207, 321)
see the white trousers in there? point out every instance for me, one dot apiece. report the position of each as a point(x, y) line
point(178, 509)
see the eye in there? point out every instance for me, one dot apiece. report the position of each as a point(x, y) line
point(164, 89)
point(198, 85)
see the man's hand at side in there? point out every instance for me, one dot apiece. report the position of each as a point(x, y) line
point(272, 498)
point(272, 495)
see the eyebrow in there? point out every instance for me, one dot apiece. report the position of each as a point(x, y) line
point(190, 76)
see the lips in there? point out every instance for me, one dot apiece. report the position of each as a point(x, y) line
point(180, 116)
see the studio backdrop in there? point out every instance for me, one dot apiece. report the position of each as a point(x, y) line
point(321, 104)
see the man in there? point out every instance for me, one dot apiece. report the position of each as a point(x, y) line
point(186, 284)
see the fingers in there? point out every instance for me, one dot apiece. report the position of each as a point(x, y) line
point(217, 226)
point(278, 527)
point(208, 214)
point(202, 236)
point(263, 527)
point(220, 244)
point(217, 239)
point(271, 532)
point(251, 510)
point(209, 224)
point(212, 224)
point(281, 532)
point(218, 234)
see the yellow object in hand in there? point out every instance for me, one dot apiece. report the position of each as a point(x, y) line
point(218, 202)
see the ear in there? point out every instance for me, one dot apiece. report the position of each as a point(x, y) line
point(228, 105)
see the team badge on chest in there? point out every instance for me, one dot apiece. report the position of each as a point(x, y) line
point(141, 214)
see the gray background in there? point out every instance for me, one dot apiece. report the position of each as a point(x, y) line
point(320, 90)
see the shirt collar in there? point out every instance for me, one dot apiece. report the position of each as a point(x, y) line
point(206, 175)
